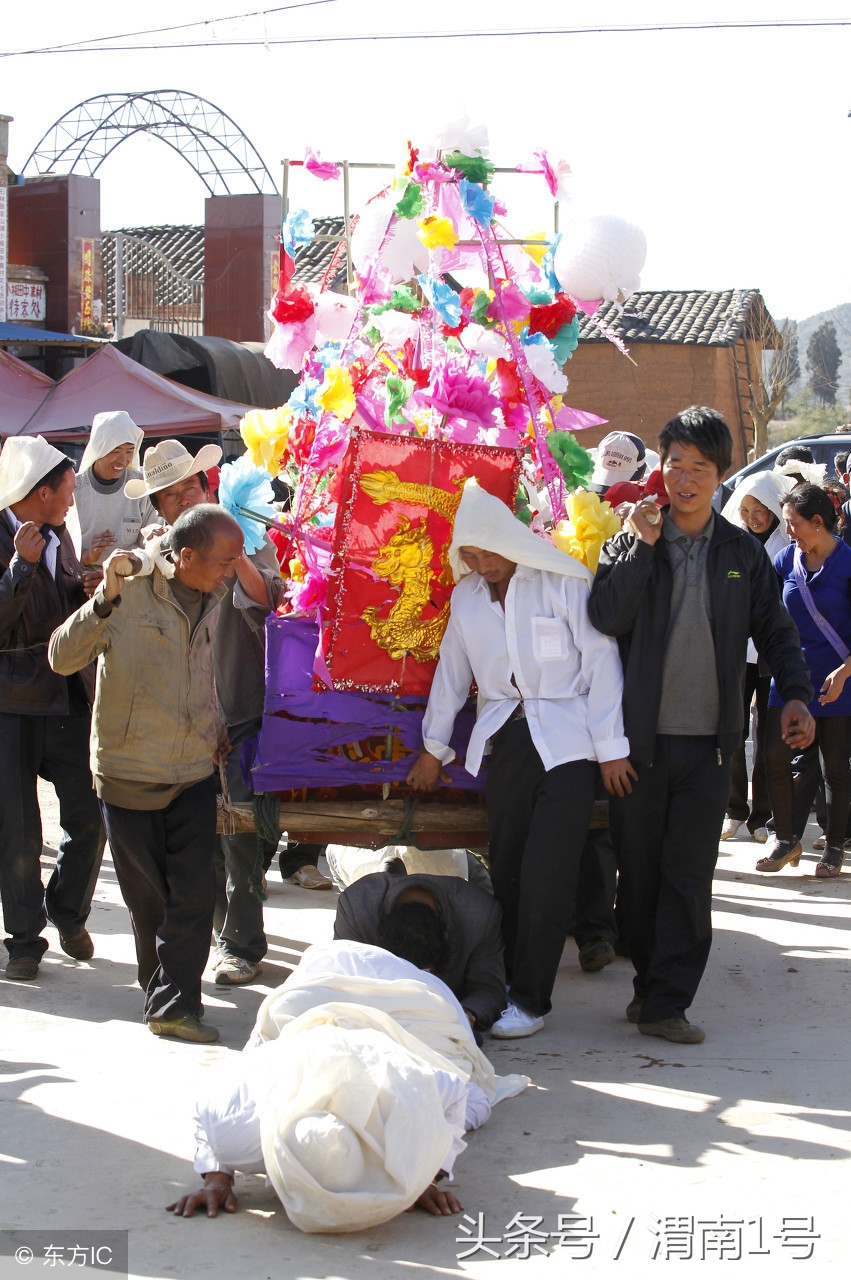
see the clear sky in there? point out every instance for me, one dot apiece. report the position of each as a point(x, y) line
point(729, 147)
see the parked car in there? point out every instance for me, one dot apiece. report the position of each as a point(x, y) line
point(824, 449)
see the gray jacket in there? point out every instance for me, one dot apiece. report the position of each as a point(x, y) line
point(475, 970)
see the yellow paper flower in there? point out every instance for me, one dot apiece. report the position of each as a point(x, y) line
point(266, 434)
point(590, 522)
point(296, 570)
point(437, 233)
point(336, 395)
point(537, 252)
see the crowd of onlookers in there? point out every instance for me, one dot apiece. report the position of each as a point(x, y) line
point(132, 677)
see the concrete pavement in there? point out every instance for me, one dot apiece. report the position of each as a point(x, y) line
point(736, 1150)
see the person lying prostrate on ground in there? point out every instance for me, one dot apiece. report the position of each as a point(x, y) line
point(549, 705)
point(344, 1095)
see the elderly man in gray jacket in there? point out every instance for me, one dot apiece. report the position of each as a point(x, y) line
point(155, 733)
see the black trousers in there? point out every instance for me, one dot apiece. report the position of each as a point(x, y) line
point(757, 813)
point(55, 748)
point(791, 801)
point(538, 823)
point(596, 890)
point(165, 866)
point(666, 837)
point(238, 921)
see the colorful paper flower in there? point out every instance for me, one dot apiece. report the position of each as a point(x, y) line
point(566, 341)
point(292, 307)
point(574, 462)
point(590, 522)
point(336, 394)
point(398, 394)
point(437, 233)
point(322, 169)
point(412, 201)
point(476, 202)
point(552, 317)
point(374, 282)
point(265, 433)
point(298, 229)
point(442, 297)
point(474, 168)
point(242, 484)
point(460, 392)
point(290, 343)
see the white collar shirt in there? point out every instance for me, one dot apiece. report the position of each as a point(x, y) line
point(49, 555)
point(540, 649)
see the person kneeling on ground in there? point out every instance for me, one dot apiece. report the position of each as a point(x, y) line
point(387, 910)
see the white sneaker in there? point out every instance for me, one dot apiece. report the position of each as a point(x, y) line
point(730, 827)
point(514, 1024)
point(233, 971)
point(761, 835)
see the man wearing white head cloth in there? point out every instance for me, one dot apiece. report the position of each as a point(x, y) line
point(103, 517)
point(549, 707)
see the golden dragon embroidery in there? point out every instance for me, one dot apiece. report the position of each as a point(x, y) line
point(405, 561)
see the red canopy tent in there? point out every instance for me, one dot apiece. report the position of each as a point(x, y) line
point(22, 390)
point(109, 380)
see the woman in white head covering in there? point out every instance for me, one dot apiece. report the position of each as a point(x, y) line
point(756, 505)
point(103, 517)
point(549, 711)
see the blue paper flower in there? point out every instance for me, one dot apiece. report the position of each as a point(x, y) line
point(476, 201)
point(547, 271)
point(297, 230)
point(302, 400)
point(241, 484)
point(443, 298)
point(566, 341)
point(328, 354)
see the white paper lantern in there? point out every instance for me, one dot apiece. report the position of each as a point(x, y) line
point(600, 257)
point(335, 315)
point(402, 253)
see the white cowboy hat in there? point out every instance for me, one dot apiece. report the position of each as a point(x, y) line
point(168, 462)
point(24, 461)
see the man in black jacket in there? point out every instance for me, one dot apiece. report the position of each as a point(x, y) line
point(682, 594)
point(44, 717)
point(373, 910)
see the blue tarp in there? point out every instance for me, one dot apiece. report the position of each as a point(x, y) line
point(23, 333)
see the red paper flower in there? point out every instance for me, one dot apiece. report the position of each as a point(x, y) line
point(293, 307)
point(552, 317)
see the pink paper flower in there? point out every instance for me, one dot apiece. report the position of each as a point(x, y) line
point(322, 169)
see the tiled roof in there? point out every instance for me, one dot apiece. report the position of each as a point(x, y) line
point(183, 246)
point(696, 316)
point(312, 262)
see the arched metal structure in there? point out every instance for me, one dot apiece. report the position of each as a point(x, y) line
point(207, 139)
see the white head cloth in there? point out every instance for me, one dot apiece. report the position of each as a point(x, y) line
point(109, 430)
point(484, 521)
point(353, 1127)
point(420, 1003)
point(24, 460)
point(768, 487)
point(813, 472)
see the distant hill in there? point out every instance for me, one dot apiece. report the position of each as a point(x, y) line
point(840, 317)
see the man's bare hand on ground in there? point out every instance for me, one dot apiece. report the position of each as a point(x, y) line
point(216, 1193)
point(438, 1203)
point(426, 772)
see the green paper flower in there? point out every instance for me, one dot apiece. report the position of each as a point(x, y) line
point(399, 391)
point(474, 168)
point(574, 462)
point(412, 202)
